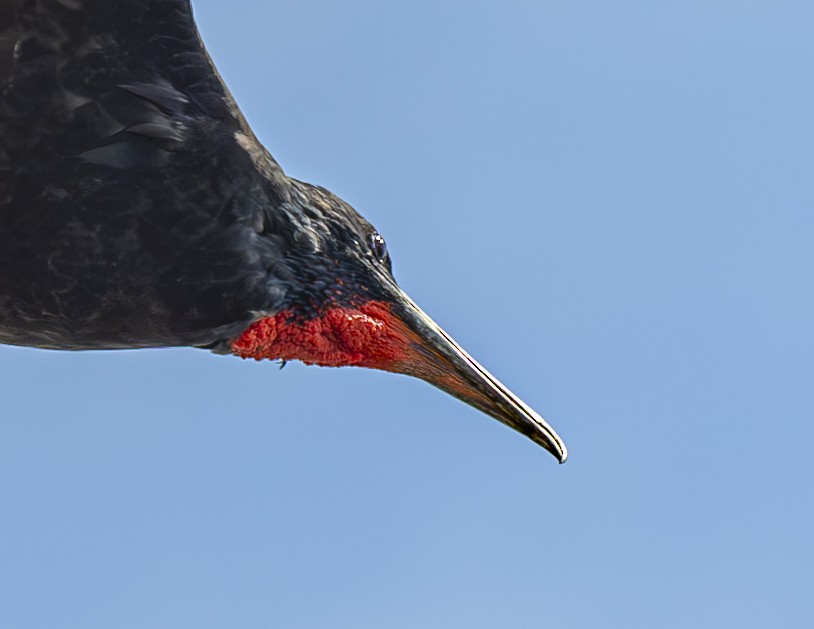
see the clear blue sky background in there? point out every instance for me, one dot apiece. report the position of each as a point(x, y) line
point(610, 205)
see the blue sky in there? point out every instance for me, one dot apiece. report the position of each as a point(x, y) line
point(610, 205)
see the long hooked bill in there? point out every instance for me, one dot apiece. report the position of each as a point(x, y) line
point(439, 360)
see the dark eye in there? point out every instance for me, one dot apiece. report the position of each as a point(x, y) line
point(379, 249)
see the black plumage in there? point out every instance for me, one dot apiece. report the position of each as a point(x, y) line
point(119, 141)
point(137, 208)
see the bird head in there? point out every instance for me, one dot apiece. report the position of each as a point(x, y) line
point(342, 307)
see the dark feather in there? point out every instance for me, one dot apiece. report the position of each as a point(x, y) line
point(118, 141)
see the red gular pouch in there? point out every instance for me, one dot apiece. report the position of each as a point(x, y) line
point(365, 336)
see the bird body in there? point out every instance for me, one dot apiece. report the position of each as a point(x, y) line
point(118, 141)
point(138, 209)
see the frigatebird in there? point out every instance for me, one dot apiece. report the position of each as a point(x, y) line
point(138, 209)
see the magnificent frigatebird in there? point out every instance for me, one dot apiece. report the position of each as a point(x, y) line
point(138, 209)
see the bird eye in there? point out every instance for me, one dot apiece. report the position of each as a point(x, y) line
point(379, 249)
